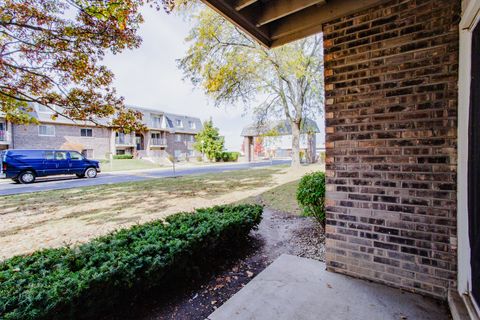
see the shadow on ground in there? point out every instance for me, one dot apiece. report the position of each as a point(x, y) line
point(198, 297)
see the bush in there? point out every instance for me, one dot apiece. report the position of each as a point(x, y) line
point(123, 156)
point(311, 195)
point(89, 279)
point(228, 156)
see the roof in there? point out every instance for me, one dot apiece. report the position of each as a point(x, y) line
point(169, 121)
point(281, 128)
point(276, 22)
point(46, 117)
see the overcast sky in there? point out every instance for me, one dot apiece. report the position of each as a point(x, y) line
point(149, 77)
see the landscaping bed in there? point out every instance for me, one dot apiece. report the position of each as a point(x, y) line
point(278, 233)
point(92, 279)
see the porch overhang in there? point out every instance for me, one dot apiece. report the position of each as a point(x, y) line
point(276, 22)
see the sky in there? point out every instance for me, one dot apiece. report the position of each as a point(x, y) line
point(149, 77)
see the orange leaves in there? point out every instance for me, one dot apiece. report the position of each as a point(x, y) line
point(50, 53)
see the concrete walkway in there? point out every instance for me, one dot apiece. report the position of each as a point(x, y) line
point(298, 288)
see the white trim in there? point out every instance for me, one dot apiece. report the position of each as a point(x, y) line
point(470, 18)
point(470, 15)
point(46, 135)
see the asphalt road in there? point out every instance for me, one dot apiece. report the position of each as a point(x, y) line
point(8, 187)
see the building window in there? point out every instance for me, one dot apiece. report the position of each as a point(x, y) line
point(191, 153)
point(120, 152)
point(178, 137)
point(179, 123)
point(191, 138)
point(156, 122)
point(46, 130)
point(156, 135)
point(86, 132)
point(192, 125)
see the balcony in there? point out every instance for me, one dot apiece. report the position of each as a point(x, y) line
point(4, 137)
point(124, 141)
point(156, 142)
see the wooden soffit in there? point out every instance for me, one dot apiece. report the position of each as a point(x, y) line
point(276, 22)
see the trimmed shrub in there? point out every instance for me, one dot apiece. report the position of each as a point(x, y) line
point(228, 156)
point(86, 280)
point(311, 195)
point(123, 156)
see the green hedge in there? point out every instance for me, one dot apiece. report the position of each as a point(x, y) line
point(85, 280)
point(311, 195)
point(123, 156)
point(228, 156)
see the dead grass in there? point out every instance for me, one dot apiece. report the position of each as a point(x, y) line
point(50, 219)
point(281, 198)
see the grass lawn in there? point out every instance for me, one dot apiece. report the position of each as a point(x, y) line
point(29, 222)
point(128, 164)
point(281, 198)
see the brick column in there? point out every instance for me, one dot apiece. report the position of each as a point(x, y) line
point(247, 143)
point(391, 102)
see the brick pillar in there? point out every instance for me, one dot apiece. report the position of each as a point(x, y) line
point(247, 143)
point(391, 102)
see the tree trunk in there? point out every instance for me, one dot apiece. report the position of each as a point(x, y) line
point(295, 143)
point(311, 149)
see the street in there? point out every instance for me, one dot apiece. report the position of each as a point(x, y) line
point(9, 187)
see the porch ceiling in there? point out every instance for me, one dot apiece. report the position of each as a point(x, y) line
point(276, 22)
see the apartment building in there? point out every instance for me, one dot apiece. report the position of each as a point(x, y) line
point(167, 135)
point(5, 132)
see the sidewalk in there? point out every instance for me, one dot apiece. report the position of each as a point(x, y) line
point(185, 165)
point(298, 288)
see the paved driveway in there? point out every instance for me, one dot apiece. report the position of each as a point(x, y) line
point(8, 187)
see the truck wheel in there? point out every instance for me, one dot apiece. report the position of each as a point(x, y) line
point(91, 173)
point(26, 177)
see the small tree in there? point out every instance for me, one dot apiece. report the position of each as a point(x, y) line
point(311, 195)
point(208, 141)
point(258, 146)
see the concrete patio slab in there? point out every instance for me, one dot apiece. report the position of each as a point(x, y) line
point(298, 288)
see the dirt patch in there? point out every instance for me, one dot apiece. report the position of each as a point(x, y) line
point(278, 233)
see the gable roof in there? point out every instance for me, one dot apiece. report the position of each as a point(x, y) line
point(281, 128)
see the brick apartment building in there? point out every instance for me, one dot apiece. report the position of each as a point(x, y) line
point(167, 135)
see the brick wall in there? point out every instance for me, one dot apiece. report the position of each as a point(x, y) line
point(183, 146)
point(66, 137)
point(391, 101)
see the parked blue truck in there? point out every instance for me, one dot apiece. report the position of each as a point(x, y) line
point(24, 166)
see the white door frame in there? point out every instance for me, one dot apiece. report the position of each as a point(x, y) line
point(470, 19)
